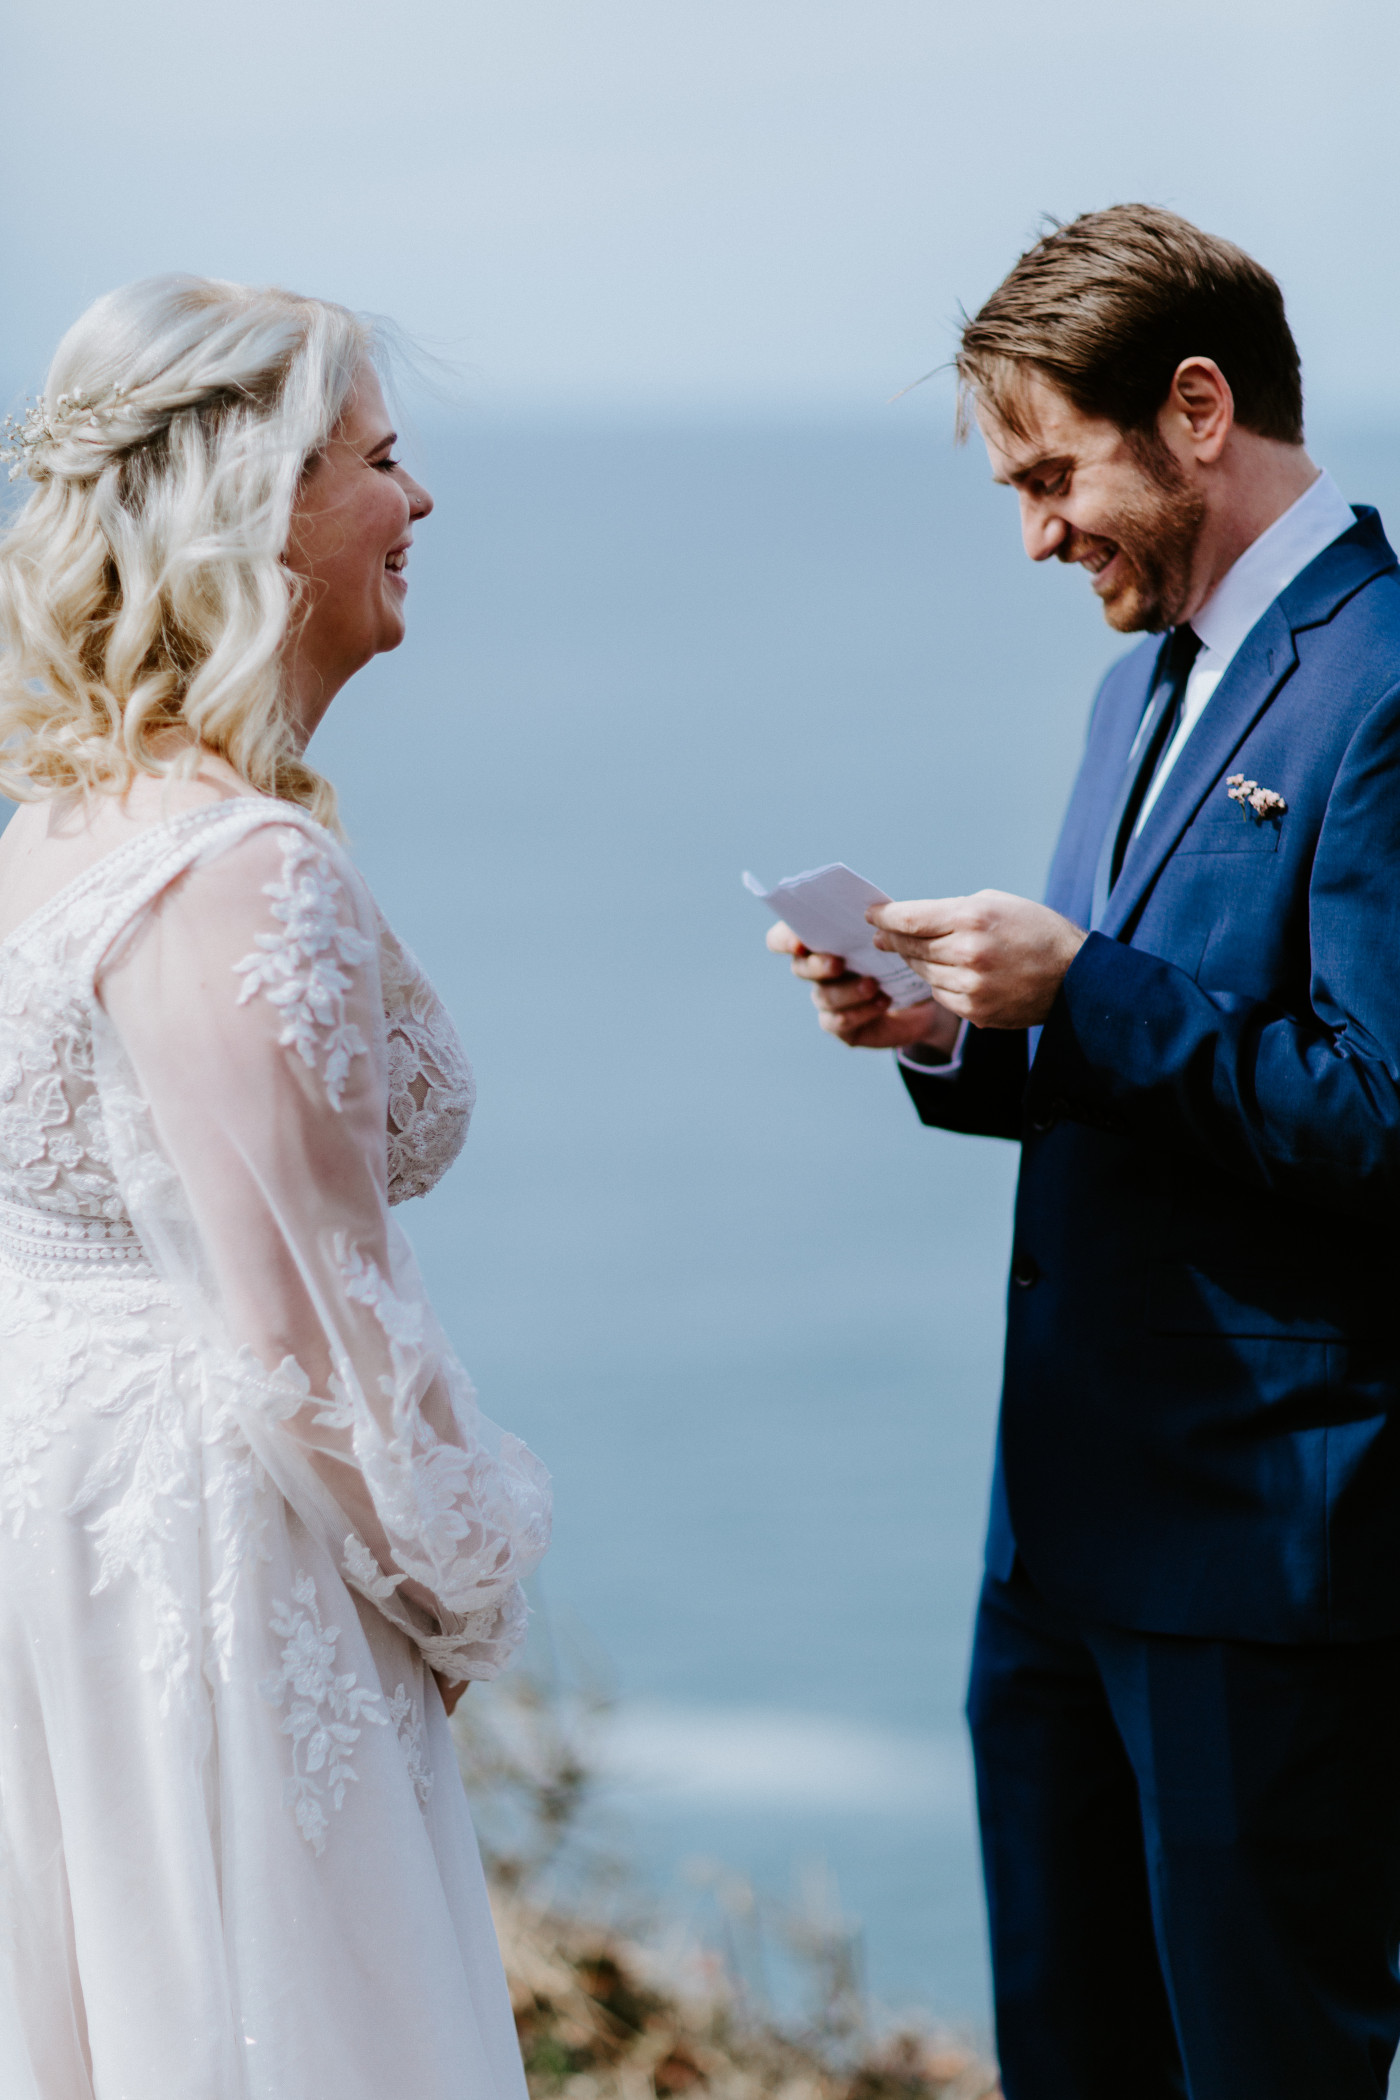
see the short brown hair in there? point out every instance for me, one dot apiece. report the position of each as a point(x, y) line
point(1109, 305)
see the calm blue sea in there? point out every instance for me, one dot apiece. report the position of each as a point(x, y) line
point(703, 1258)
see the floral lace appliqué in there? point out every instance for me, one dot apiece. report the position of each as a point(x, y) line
point(325, 1710)
point(142, 1488)
point(302, 970)
point(26, 1433)
point(364, 1285)
point(363, 1570)
point(460, 1520)
point(407, 1717)
point(431, 1089)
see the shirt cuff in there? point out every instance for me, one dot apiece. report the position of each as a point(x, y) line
point(938, 1066)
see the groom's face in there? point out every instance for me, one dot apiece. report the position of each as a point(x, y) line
point(1091, 493)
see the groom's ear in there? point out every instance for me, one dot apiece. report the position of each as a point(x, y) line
point(1199, 412)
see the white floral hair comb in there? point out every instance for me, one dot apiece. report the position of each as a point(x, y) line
point(24, 438)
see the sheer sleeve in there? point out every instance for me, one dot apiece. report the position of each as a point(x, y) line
point(243, 1073)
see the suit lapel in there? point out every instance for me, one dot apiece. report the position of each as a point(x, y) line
point(1264, 661)
point(1257, 670)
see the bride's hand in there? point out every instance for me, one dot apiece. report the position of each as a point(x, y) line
point(451, 1693)
point(855, 1010)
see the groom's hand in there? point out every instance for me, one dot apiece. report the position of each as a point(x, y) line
point(855, 1009)
point(996, 960)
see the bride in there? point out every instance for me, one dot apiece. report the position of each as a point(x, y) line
point(252, 1526)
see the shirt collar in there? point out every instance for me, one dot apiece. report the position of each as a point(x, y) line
point(1267, 566)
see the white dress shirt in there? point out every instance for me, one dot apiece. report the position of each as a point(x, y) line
point(1236, 605)
point(1243, 596)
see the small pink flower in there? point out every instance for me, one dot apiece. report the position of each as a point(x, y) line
point(1262, 802)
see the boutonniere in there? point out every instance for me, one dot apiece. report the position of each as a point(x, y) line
point(1261, 803)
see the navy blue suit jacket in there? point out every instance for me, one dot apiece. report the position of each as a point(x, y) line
point(1200, 1426)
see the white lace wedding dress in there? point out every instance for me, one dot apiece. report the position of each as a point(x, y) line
point(247, 1503)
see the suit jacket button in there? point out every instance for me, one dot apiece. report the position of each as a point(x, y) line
point(1025, 1270)
point(1040, 1124)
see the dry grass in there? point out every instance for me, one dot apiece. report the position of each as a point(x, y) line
point(604, 2018)
point(634, 2012)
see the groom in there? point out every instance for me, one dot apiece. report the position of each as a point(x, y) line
point(1185, 1696)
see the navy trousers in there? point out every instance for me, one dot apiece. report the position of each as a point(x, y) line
point(1192, 1858)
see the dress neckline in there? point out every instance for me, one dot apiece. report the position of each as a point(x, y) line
point(188, 818)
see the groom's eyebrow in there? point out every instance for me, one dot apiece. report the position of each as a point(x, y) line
point(1047, 462)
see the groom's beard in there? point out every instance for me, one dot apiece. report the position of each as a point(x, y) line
point(1156, 536)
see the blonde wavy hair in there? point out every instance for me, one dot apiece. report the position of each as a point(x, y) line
point(141, 585)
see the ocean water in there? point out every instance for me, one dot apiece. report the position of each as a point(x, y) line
point(703, 1258)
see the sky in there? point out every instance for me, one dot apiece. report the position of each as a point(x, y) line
point(693, 206)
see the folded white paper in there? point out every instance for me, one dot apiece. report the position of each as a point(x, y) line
point(826, 909)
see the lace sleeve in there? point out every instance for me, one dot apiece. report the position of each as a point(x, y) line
point(244, 1075)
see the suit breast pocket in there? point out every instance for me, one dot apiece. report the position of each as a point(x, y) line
point(1231, 830)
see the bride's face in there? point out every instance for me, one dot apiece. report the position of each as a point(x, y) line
point(352, 526)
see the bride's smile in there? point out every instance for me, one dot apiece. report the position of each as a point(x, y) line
point(351, 531)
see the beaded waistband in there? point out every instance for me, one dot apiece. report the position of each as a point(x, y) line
point(49, 1243)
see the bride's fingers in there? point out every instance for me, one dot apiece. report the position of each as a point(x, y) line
point(451, 1693)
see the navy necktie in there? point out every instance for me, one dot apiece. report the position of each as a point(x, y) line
point(1159, 726)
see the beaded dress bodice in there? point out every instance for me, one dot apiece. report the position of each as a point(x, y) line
point(59, 1201)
